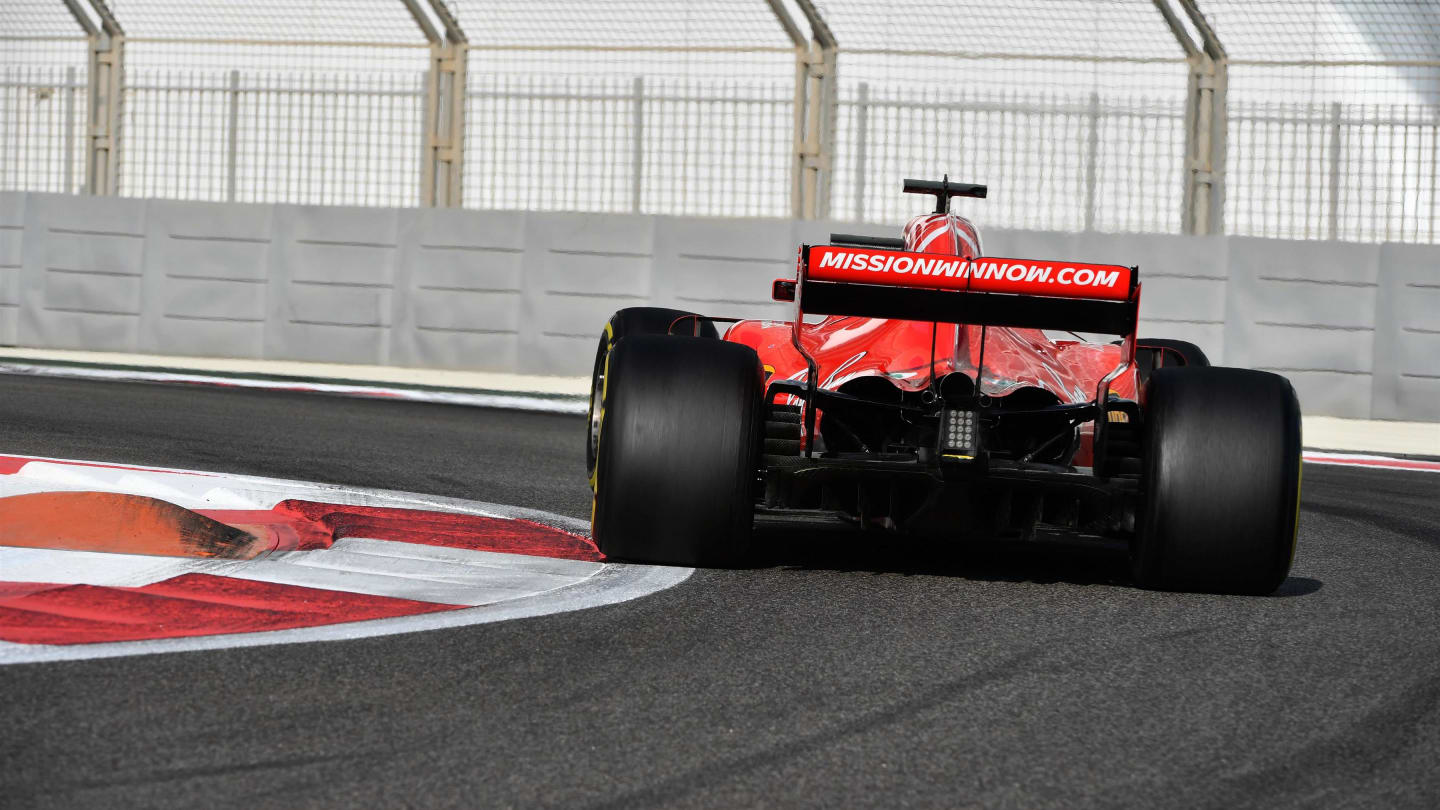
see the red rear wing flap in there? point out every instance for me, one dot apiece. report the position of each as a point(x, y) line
point(1042, 294)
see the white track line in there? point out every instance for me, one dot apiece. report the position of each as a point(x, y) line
point(446, 576)
point(482, 399)
point(1371, 461)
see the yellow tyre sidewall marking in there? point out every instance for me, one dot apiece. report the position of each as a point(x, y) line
point(1295, 530)
point(600, 425)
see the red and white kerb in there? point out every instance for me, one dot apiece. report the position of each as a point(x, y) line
point(101, 559)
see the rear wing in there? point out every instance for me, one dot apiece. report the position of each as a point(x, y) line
point(880, 283)
point(1041, 294)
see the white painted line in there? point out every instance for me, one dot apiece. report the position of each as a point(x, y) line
point(94, 567)
point(396, 570)
point(1371, 461)
point(399, 553)
point(513, 401)
point(350, 373)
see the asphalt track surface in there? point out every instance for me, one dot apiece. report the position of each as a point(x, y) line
point(834, 674)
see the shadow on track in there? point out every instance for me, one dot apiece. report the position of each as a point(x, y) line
point(1075, 562)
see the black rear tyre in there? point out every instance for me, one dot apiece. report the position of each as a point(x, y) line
point(626, 323)
point(679, 451)
point(1221, 481)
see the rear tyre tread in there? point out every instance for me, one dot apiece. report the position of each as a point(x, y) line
point(1221, 481)
point(679, 452)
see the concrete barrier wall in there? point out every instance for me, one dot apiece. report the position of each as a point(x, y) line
point(1355, 326)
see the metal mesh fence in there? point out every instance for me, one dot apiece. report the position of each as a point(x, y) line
point(272, 101)
point(43, 97)
point(36, 21)
point(1055, 45)
point(1055, 161)
point(1334, 116)
point(732, 40)
point(1073, 111)
point(42, 127)
point(1357, 172)
point(255, 136)
point(642, 145)
point(336, 139)
point(648, 106)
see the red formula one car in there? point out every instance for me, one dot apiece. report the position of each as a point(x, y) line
point(930, 392)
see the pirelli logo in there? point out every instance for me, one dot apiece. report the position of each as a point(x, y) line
point(987, 274)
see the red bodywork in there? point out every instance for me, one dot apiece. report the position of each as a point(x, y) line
point(847, 348)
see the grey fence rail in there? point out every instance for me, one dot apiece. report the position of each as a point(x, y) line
point(1355, 172)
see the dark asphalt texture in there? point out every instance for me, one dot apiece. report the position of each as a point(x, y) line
point(834, 675)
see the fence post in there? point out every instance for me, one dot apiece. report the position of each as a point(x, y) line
point(1334, 224)
point(429, 102)
point(1206, 120)
point(452, 157)
point(444, 117)
point(637, 145)
point(233, 143)
point(70, 130)
point(797, 135)
point(1199, 162)
point(815, 103)
point(815, 125)
point(862, 129)
point(830, 104)
point(106, 83)
point(1092, 157)
point(1219, 141)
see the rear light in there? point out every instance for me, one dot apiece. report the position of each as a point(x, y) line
point(960, 433)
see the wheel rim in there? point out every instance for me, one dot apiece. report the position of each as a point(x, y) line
point(597, 409)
